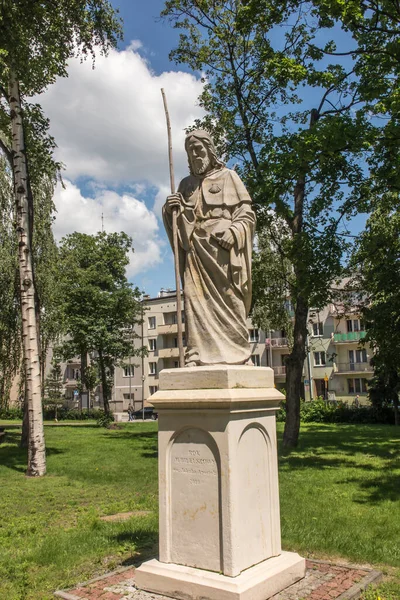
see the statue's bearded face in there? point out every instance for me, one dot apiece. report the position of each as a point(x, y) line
point(198, 156)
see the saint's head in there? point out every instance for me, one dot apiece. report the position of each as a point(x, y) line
point(201, 153)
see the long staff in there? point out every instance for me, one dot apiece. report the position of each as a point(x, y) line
point(175, 237)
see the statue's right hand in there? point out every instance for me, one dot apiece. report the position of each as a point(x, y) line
point(174, 200)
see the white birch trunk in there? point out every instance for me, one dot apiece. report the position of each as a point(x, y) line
point(36, 443)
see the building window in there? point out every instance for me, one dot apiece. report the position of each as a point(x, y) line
point(358, 356)
point(129, 371)
point(354, 325)
point(129, 396)
point(319, 359)
point(255, 359)
point(76, 374)
point(152, 368)
point(318, 329)
point(152, 322)
point(254, 335)
point(152, 344)
point(176, 364)
point(357, 385)
point(153, 389)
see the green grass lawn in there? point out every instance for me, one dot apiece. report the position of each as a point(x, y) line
point(340, 497)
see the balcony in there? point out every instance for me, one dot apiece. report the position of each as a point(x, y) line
point(168, 353)
point(346, 338)
point(364, 367)
point(276, 342)
point(171, 328)
point(279, 371)
point(70, 382)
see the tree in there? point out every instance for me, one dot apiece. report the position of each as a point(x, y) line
point(38, 38)
point(10, 323)
point(100, 306)
point(377, 260)
point(54, 385)
point(303, 161)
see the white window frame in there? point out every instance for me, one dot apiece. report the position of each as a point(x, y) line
point(256, 360)
point(254, 335)
point(318, 329)
point(320, 359)
point(153, 389)
point(153, 344)
point(129, 371)
point(152, 322)
point(152, 368)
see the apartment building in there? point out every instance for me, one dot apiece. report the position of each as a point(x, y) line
point(337, 367)
point(340, 367)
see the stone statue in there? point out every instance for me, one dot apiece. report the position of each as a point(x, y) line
point(215, 230)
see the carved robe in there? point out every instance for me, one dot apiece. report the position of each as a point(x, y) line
point(216, 282)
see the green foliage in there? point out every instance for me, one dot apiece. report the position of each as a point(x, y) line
point(377, 260)
point(303, 164)
point(11, 413)
point(99, 305)
point(338, 479)
point(320, 411)
point(10, 345)
point(104, 419)
point(38, 38)
point(384, 591)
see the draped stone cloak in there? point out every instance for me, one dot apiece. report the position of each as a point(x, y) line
point(216, 282)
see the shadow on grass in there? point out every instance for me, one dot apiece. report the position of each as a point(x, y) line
point(318, 443)
point(379, 489)
point(145, 543)
point(14, 457)
point(147, 441)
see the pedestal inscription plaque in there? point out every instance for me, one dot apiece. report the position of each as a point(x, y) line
point(195, 501)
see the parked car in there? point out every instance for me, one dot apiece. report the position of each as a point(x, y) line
point(149, 413)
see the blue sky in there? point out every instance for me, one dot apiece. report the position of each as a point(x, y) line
point(109, 125)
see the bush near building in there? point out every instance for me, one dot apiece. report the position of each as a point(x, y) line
point(320, 411)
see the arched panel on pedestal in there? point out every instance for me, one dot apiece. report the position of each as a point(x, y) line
point(194, 497)
point(258, 497)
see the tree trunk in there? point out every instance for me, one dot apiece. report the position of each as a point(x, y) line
point(36, 443)
point(83, 374)
point(296, 358)
point(294, 372)
point(104, 383)
point(25, 423)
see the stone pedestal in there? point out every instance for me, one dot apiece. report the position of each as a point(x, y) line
point(218, 487)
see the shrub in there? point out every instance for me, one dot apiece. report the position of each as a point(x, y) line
point(11, 413)
point(320, 411)
point(103, 419)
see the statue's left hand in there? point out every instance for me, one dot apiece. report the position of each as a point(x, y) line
point(227, 240)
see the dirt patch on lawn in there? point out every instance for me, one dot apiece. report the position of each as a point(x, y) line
point(126, 515)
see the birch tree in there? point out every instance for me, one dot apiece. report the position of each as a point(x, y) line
point(38, 38)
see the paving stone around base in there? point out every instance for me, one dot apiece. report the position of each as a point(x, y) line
point(323, 581)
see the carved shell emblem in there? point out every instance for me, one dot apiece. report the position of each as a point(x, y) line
point(214, 189)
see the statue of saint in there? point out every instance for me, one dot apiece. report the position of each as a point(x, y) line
point(215, 230)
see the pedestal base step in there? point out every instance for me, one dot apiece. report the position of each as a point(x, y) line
point(187, 583)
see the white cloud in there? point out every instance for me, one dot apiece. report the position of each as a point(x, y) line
point(109, 122)
point(121, 213)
